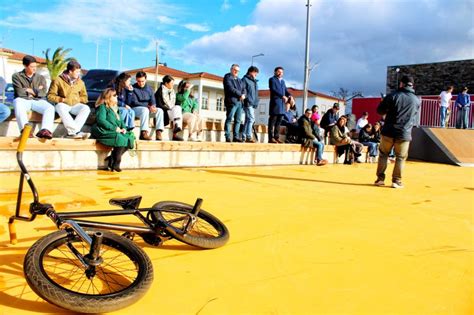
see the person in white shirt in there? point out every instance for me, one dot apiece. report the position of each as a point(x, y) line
point(362, 121)
point(444, 101)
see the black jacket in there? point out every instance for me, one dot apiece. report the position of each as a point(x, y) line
point(306, 132)
point(401, 109)
point(329, 119)
point(233, 89)
point(364, 136)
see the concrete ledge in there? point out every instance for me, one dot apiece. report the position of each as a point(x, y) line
point(69, 154)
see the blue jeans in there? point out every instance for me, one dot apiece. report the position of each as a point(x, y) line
point(144, 114)
point(127, 116)
point(4, 112)
point(319, 145)
point(462, 121)
point(372, 147)
point(233, 111)
point(442, 115)
point(249, 120)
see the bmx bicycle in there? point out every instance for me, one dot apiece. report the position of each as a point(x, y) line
point(84, 267)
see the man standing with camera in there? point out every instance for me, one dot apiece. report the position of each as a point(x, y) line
point(401, 109)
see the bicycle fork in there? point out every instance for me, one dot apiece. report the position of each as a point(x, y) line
point(193, 218)
point(92, 259)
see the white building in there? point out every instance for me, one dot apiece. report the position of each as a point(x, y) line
point(324, 102)
point(207, 87)
point(11, 62)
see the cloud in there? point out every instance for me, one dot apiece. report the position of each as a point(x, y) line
point(197, 27)
point(226, 5)
point(166, 20)
point(353, 41)
point(171, 33)
point(94, 20)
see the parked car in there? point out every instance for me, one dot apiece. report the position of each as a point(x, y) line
point(96, 81)
point(9, 95)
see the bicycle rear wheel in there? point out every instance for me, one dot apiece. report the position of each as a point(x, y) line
point(207, 232)
point(56, 274)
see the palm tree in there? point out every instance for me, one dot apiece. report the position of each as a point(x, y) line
point(58, 62)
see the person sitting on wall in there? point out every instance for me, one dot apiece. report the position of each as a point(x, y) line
point(329, 119)
point(339, 136)
point(4, 112)
point(30, 94)
point(316, 122)
point(190, 108)
point(144, 106)
point(110, 129)
point(309, 140)
point(366, 137)
point(165, 98)
point(69, 94)
point(125, 97)
point(362, 121)
point(291, 123)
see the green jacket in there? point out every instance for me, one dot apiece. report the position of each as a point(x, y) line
point(187, 103)
point(105, 129)
point(71, 93)
point(21, 83)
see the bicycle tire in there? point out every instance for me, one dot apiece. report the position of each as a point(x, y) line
point(56, 275)
point(208, 232)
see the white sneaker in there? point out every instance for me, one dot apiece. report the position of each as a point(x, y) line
point(192, 138)
point(397, 185)
point(379, 182)
point(84, 135)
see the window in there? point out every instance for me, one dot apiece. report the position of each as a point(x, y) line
point(263, 108)
point(220, 103)
point(205, 100)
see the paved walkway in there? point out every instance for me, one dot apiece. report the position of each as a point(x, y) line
point(304, 239)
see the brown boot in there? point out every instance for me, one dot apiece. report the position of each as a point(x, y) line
point(144, 135)
point(158, 135)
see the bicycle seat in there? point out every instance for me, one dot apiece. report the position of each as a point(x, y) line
point(126, 203)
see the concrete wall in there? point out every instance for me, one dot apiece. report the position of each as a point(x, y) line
point(432, 78)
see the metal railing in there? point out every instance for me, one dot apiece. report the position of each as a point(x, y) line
point(429, 114)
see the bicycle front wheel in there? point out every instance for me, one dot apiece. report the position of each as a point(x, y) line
point(55, 273)
point(207, 232)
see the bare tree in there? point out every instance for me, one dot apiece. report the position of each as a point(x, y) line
point(343, 94)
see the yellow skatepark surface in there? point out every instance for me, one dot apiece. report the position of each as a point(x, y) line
point(303, 239)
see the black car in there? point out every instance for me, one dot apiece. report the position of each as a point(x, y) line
point(96, 81)
point(9, 94)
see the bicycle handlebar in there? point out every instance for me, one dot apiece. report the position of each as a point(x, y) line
point(24, 137)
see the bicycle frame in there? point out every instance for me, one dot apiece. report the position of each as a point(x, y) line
point(64, 220)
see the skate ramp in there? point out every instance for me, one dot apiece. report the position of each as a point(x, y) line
point(440, 145)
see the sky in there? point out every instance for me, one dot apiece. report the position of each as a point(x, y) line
point(351, 41)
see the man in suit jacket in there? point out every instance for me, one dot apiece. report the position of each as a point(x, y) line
point(234, 95)
point(279, 95)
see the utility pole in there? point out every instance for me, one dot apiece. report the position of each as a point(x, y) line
point(306, 62)
point(156, 65)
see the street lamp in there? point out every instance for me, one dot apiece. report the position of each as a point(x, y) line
point(254, 56)
point(398, 82)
